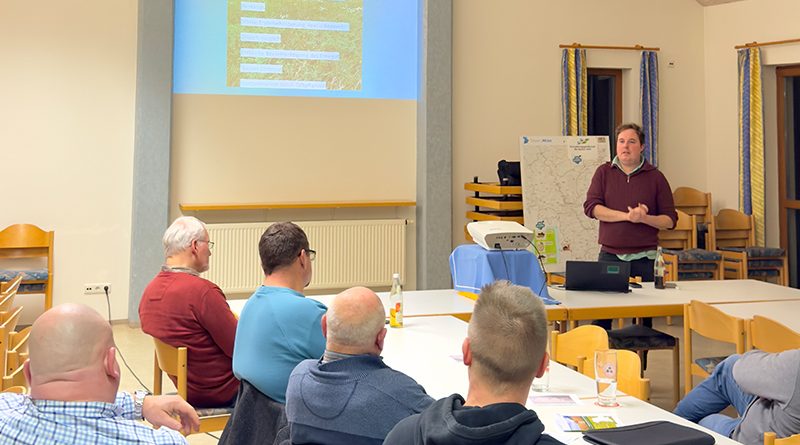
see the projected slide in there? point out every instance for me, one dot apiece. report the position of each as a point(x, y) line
point(311, 44)
point(322, 48)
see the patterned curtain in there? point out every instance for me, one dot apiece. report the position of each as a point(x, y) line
point(574, 97)
point(648, 99)
point(751, 139)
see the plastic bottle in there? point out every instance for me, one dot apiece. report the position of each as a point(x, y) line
point(396, 303)
point(658, 269)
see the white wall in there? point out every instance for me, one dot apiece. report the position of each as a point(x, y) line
point(726, 26)
point(506, 74)
point(67, 86)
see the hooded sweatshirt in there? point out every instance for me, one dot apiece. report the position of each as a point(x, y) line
point(448, 421)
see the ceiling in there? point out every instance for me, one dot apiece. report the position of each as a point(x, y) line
point(715, 2)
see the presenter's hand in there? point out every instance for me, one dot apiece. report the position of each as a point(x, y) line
point(637, 214)
point(163, 410)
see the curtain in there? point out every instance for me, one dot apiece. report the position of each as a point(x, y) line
point(648, 100)
point(574, 97)
point(751, 139)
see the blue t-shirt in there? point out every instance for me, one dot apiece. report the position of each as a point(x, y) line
point(278, 328)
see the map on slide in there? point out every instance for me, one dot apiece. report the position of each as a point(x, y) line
point(310, 44)
point(556, 172)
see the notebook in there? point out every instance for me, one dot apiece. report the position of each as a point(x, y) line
point(598, 276)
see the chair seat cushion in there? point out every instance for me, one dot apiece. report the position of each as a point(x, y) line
point(709, 363)
point(640, 337)
point(695, 255)
point(27, 275)
point(757, 251)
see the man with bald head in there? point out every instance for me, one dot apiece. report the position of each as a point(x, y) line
point(350, 396)
point(73, 376)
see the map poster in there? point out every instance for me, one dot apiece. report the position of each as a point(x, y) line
point(556, 172)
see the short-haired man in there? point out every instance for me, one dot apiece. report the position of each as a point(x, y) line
point(278, 326)
point(763, 388)
point(350, 396)
point(504, 350)
point(74, 377)
point(182, 309)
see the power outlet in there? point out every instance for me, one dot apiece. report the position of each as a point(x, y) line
point(96, 288)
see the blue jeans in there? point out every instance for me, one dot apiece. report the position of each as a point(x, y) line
point(703, 404)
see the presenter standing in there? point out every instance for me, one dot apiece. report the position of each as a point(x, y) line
point(633, 201)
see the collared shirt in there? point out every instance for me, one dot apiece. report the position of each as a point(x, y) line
point(26, 421)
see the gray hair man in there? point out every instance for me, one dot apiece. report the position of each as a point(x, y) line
point(74, 377)
point(504, 350)
point(350, 395)
point(180, 308)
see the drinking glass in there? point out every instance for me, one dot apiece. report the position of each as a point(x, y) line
point(605, 371)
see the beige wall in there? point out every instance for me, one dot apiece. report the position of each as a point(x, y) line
point(506, 74)
point(726, 26)
point(67, 86)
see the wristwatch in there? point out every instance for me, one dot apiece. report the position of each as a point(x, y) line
point(138, 402)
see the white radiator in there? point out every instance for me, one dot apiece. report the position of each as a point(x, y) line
point(349, 253)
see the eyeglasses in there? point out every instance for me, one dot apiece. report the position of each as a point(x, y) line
point(210, 243)
point(311, 254)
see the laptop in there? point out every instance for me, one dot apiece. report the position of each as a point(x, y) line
point(598, 276)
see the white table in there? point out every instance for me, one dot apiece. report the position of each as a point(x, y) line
point(786, 313)
point(428, 349)
point(651, 302)
point(416, 303)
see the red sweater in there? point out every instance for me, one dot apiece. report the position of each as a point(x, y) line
point(614, 189)
point(181, 309)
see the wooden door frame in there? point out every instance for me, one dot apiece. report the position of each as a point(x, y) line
point(617, 75)
point(781, 73)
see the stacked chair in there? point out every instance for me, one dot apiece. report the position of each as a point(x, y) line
point(684, 260)
point(695, 203)
point(13, 344)
point(734, 238)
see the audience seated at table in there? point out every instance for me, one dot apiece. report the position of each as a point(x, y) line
point(180, 308)
point(279, 327)
point(74, 376)
point(350, 396)
point(504, 350)
point(763, 388)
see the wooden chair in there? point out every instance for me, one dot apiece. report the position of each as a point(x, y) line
point(7, 300)
point(694, 202)
point(15, 378)
point(770, 439)
point(17, 351)
point(683, 259)
point(629, 375)
point(173, 361)
point(28, 241)
point(8, 322)
point(17, 389)
point(735, 240)
point(770, 336)
point(11, 285)
point(576, 347)
point(710, 322)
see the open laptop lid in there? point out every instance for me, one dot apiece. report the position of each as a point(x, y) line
point(598, 276)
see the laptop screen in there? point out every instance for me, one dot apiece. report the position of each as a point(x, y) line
point(598, 276)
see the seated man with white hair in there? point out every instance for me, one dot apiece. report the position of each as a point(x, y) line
point(74, 376)
point(350, 396)
point(182, 309)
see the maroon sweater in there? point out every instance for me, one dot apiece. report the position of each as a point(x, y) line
point(614, 189)
point(181, 309)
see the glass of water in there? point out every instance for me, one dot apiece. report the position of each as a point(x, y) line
point(605, 372)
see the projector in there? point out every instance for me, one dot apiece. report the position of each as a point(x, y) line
point(500, 235)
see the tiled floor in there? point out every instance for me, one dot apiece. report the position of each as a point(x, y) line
point(137, 348)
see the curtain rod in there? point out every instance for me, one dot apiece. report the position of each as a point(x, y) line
point(634, 47)
point(775, 42)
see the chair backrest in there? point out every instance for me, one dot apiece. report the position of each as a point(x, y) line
point(770, 439)
point(16, 389)
point(693, 202)
point(733, 229)
point(17, 351)
point(577, 346)
point(15, 378)
point(770, 336)
point(29, 241)
point(712, 323)
point(629, 375)
point(172, 361)
point(11, 286)
point(7, 300)
point(681, 237)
